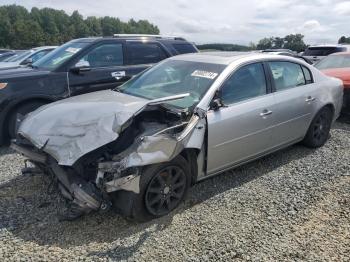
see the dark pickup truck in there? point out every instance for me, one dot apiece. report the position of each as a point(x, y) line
point(80, 66)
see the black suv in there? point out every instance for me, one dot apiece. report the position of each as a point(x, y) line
point(77, 67)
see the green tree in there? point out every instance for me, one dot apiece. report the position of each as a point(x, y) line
point(265, 43)
point(294, 42)
point(20, 28)
point(344, 40)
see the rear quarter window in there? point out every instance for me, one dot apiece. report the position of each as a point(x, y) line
point(185, 48)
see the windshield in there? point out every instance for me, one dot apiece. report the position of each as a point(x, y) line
point(61, 54)
point(19, 57)
point(334, 61)
point(174, 77)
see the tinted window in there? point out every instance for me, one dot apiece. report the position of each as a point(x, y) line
point(322, 51)
point(184, 48)
point(145, 53)
point(104, 56)
point(247, 82)
point(287, 75)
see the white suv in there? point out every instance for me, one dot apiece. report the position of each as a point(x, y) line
point(316, 53)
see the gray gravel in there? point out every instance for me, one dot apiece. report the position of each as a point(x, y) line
point(293, 205)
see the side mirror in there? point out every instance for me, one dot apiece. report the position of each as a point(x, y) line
point(215, 104)
point(28, 61)
point(81, 66)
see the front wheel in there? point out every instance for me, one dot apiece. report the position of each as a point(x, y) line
point(162, 188)
point(318, 132)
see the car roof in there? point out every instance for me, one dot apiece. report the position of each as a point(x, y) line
point(227, 58)
point(341, 53)
point(132, 37)
point(336, 45)
point(43, 48)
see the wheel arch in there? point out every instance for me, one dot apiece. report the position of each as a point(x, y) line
point(191, 155)
point(19, 103)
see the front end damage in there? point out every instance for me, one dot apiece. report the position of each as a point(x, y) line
point(98, 178)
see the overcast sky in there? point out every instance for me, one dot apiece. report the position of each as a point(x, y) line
point(204, 21)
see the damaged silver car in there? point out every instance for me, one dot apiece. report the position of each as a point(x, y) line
point(139, 147)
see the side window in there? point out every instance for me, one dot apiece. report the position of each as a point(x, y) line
point(184, 48)
point(104, 56)
point(307, 74)
point(145, 53)
point(39, 55)
point(247, 82)
point(287, 75)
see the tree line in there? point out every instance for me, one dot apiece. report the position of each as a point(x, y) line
point(22, 29)
point(344, 40)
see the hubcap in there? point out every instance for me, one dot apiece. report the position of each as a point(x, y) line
point(165, 191)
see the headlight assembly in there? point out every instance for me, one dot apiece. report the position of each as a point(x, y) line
point(3, 85)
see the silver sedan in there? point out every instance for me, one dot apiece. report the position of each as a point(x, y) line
point(139, 147)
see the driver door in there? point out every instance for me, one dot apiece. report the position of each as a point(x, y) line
point(101, 68)
point(241, 130)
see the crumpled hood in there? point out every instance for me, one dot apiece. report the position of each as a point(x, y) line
point(71, 128)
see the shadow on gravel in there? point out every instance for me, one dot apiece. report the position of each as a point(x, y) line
point(5, 151)
point(29, 211)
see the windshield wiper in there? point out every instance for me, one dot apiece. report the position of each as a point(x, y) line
point(167, 99)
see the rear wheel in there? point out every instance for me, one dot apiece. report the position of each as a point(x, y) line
point(318, 132)
point(162, 188)
point(21, 110)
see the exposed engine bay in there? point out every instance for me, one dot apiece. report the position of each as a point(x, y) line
point(97, 179)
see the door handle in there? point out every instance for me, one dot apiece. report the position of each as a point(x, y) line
point(265, 113)
point(118, 74)
point(310, 99)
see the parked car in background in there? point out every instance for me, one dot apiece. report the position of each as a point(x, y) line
point(338, 65)
point(7, 55)
point(80, 66)
point(140, 146)
point(292, 54)
point(278, 50)
point(2, 51)
point(25, 58)
point(316, 53)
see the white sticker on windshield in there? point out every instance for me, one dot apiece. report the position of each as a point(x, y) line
point(72, 50)
point(205, 74)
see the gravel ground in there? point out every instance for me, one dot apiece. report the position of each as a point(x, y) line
point(292, 205)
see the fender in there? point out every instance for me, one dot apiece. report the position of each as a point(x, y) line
point(12, 102)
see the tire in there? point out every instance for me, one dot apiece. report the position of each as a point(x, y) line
point(318, 132)
point(162, 188)
point(22, 110)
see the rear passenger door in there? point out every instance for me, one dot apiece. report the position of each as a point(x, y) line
point(141, 55)
point(294, 94)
